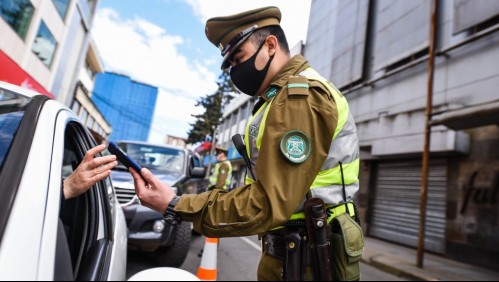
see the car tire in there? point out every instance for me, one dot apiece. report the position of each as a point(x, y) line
point(175, 254)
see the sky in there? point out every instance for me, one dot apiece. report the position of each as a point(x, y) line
point(162, 43)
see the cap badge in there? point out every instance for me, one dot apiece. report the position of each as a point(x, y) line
point(296, 146)
point(220, 46)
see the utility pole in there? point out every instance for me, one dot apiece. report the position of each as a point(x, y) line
point(426, 151)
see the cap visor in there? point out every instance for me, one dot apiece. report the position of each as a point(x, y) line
point(225, 62)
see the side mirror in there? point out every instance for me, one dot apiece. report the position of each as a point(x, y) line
point(198, 172)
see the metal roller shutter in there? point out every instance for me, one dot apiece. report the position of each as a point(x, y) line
point(395, 207)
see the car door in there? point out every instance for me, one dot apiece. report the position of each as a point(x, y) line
point(89, 221)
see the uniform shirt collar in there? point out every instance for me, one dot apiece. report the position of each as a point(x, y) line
point(294, 66)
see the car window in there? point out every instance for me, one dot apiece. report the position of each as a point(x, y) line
point(12, 109)
point(83, 217)
point(158, 159)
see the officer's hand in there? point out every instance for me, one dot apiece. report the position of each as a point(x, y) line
point(90, 171)
point(154, 194)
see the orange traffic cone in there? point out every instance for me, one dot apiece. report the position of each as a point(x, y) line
point(207, 270)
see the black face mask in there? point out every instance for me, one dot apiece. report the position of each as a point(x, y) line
point(246, 77)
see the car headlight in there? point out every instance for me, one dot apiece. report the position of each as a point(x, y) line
point(158, 226)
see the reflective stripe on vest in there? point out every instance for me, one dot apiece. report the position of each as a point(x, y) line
point(214, 176)
point(344, 147)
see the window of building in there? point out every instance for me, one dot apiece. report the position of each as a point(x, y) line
point(76, 107)
point(83, 115)
point(90, 122)
point(402, 32)
point(44, 45)
point(89, 70)
point(62, 7)
point(468, 15)
point(17, 14)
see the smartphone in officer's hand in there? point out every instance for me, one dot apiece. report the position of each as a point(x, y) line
point(114, 149)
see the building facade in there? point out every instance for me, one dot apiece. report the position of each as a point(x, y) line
point(176, 141)
point(44, 43)
point(82, 103)
point(126, 104)
point(376, 52)
point(46, 47)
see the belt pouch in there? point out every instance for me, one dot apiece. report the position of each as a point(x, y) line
point(347, 242)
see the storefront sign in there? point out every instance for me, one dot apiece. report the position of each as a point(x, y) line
point(480, 194)
point(10, 72)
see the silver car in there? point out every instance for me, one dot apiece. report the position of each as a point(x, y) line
point(43, 236)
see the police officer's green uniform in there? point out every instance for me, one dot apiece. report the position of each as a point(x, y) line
point(300, 131)
point(222, 174)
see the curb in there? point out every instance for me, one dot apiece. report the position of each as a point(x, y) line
point(397, 267)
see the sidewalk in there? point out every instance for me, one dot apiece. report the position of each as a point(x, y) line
point(401, 261)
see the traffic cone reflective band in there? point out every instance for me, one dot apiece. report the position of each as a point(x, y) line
point(207, 270)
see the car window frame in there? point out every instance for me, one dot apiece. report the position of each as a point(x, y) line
point(11, 176)
point(97, 209)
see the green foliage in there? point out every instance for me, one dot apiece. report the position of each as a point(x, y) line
point(213, 104)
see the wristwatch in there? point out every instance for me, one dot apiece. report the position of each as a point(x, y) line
point(170, 215)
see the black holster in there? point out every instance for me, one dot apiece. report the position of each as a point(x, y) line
point(294, 267)
point(318, 233)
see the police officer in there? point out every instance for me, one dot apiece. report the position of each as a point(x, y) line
point(222, 173)
point(300, 132)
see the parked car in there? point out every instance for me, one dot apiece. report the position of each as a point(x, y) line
point(183, 171)
point(43, 236)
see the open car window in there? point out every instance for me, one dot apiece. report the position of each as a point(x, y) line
point(84, 220)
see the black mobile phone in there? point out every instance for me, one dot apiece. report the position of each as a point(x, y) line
point(114, 149)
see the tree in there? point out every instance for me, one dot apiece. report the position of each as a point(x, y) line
point(213, 104)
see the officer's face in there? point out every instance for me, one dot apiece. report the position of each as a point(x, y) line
point(248, 49)
point(220, 156)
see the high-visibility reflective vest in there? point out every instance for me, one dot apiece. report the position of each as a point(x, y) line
point(214, 176)
point(344, 148)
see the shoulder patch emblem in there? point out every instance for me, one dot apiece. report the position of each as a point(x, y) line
point(296, 146)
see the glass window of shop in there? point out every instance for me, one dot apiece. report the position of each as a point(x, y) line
point(44, 45)
point(17, 14)
point(62, 7)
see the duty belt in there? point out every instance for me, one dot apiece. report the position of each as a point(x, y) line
point(273, 243)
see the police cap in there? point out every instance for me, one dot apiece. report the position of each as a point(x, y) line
point(228, 32)
point(221, 150)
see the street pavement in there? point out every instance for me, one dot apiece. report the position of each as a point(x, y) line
point(401, 261)
point(382, 261)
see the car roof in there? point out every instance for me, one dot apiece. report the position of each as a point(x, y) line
point(153, 144)
point(18, 89)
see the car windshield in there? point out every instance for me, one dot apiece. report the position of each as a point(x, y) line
point(12, 107)
point(155, 158)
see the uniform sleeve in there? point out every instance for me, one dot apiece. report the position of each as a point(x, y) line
point(223, 171)
point(282, 185)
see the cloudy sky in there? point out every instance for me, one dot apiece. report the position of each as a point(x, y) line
point(162, 43)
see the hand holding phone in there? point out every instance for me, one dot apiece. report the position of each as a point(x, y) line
point(114, 149)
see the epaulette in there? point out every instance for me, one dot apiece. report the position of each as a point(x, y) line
point(297, 86)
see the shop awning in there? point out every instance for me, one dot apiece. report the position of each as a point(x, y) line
point(469, 117)
point(12, 73)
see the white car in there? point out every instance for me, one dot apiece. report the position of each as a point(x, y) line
point(43, 236)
